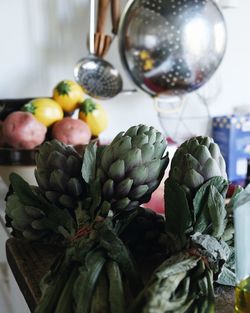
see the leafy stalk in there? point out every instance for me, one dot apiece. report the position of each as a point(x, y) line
point(87, 281)
point(116, 292)
point(65, 301)
point(52, 291)
point(118, 252)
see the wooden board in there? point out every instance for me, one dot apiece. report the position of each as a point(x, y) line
point(30, 262)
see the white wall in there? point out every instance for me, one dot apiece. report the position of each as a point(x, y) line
point(42, 40)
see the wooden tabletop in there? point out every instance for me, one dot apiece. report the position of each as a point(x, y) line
point(30, 262)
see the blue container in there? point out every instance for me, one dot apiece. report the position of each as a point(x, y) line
point(232, 134)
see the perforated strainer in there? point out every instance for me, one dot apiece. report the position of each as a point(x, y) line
point(98, 77)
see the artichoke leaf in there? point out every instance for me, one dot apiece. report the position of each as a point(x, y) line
point(218, 213)
point(140, 140)
point(177, 212)
point(117, 170)
point(89, 163)
point(226, 277)
point(201, 196)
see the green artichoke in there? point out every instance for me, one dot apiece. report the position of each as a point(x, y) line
point(33, 217)
point(58, 173)
point(182, 283)
point(131, 167)
point(28, 222)
point(196, 161)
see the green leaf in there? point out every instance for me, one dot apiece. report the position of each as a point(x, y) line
point(202, 219)
point(215, 252)
point(89, 163)
point(23, 189)
point(202, 213)
point(95, 193)
point(177, 212)
point(201, 195)
point(227, 277)
point(217, 211)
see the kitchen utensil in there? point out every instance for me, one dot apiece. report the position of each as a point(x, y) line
point(102, 40)
point(171, 47)
point(115, 15)
point(97, 77)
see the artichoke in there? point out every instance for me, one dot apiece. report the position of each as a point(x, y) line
point(183, 283)
point(33, 217)
point(195, 190)
point(28, 222)
point(196, 161)
point(58, 173)
point(131, 167)
point(25, 219)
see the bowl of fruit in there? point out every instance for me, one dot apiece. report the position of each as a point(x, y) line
point(25, 124)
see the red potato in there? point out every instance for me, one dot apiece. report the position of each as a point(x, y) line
point(71, 131)
point(22, 130)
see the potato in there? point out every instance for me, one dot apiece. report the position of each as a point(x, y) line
point(71, 131)
point(22, 130)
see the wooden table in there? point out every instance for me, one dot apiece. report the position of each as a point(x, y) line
point(30, 262)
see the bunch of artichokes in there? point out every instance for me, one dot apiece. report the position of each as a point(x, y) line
point(92, 204)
